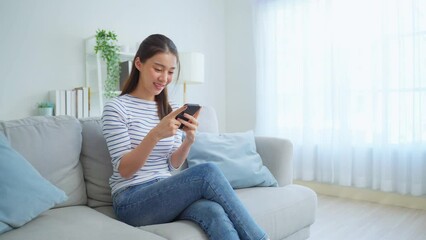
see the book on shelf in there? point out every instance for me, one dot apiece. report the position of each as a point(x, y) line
point(83, 102)
point(68, 102)
point(57, 97)
point(73, 102)
point(79, 103)
point(86, 102)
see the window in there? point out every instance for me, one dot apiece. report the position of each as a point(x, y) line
point(347, 80)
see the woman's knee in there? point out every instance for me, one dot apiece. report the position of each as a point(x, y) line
point(209, 167)
point(214, 208)
point(209, 209)
point(210, 173)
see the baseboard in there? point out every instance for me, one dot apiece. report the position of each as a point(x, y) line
point(393, 199)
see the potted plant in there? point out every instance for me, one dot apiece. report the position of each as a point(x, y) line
point(45, 108)
point(106, 44)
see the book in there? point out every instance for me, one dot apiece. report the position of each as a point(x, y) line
point(73, 103)
point(86, 102)
point(79, 97)
point(83, 102)
point(68, 102)
point(57, 97)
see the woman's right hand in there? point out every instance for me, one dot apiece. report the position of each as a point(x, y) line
point(168, 125)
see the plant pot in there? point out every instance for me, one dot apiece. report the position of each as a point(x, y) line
point(45, 111)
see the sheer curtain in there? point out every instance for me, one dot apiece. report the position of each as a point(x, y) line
point(345, 80)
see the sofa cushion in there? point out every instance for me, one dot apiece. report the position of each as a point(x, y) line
point(77, 222)
point(283, 212)
point(96, 162)
point(52, 145)
point(280, 211)
point(25, 193)
point(235, 154)
point(179, 230)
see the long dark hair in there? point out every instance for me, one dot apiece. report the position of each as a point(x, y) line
point(153, 44)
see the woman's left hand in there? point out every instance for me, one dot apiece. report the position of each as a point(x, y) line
point(190, 126)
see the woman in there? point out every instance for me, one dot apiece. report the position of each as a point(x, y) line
point(145, 145)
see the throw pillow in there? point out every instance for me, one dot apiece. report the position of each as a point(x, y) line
point(4, 228)
point(235, 154)
point(24, 192)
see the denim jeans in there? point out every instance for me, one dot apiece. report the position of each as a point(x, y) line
point(200, 194)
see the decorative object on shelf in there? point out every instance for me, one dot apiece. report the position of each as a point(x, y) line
point(106, 44)
point(45, 108)
point(191, 69)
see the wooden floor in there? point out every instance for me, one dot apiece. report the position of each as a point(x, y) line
point(339, 218)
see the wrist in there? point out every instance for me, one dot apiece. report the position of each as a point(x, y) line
point(153, 135)
point(188, 140)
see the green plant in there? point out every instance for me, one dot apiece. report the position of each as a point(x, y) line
point(45, 105)
point(106, 44)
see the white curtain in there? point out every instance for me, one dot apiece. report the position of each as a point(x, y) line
point(345, 81)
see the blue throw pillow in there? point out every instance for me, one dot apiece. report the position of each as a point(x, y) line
point(4, 227)
point(24, 192)
point(235, 154)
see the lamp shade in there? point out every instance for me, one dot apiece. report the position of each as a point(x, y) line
point(191, 67)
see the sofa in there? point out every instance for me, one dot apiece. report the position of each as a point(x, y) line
point(72, 155)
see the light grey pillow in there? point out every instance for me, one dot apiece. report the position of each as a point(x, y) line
point(25, 193)
point(52, 145)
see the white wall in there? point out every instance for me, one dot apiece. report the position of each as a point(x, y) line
point(42, 45)
point(240, 67)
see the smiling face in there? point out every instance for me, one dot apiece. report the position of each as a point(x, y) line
point(155, 74)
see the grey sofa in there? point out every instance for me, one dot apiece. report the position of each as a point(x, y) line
point(72, 154)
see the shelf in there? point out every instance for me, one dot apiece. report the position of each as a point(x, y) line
point(126, 56)
point(96, 75)
point(90, 45)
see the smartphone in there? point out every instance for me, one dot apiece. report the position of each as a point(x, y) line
point(191, 110)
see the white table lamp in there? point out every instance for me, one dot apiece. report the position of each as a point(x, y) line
point(191, 69)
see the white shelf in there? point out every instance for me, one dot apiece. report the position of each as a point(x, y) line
point(126, 56)
point(96, 75)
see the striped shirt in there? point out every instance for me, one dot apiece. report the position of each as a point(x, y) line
point(126, 120)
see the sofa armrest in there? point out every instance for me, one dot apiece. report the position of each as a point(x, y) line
point(276, 154)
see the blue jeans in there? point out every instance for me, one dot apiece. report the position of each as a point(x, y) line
point(200, 194)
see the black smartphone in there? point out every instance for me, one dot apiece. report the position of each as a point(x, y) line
point(191, 110)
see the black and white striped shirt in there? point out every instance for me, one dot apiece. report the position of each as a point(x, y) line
point(126, 120)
